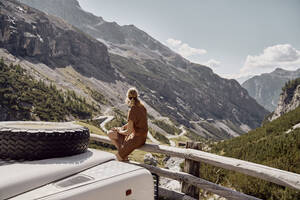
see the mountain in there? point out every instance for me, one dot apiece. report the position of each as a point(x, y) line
point(93, 56)
point(289, 98)
point(276, 144)
point(127, 40)
point(242, 79)
point(266, 88)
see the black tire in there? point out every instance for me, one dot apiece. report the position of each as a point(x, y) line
point(23, 142)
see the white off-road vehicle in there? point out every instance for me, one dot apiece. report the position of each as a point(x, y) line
point(87, 175)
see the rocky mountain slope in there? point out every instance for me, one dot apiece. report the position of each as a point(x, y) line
point(31, 34)
point(289, 99)
point(187, 93)
point(266, 88)
point(127, 40)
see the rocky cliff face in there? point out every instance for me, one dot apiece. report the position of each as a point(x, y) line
point(266, 88)
point(188, 93)
point(31, 34)
point(289, 99)
point(127, 40)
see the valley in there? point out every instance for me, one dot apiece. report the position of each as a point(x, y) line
point(114, 61)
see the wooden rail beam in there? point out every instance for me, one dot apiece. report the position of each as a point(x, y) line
point(270, 174)
point(198, 182)
point(170, 194)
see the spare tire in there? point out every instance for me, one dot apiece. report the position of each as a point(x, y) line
point(40, 140)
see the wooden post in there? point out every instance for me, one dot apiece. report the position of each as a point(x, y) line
point(193, 168)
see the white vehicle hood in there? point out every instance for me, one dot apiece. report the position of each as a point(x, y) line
point(19, 177)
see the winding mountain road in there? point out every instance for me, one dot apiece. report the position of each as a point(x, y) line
point(183, 132)
point(107, 118)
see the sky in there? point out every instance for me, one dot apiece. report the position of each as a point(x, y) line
point(236, 38)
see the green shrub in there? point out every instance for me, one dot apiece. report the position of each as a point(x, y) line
point(289, 89)
point(291, 85)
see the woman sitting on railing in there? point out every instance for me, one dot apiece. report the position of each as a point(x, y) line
point(133, 134)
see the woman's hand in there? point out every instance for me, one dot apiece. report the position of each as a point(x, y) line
point(129, 128)
point(124, 127)
point(115, 128)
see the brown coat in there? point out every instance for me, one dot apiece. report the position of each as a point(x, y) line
point(138, 115)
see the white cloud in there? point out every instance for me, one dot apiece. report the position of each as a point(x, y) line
point(173, 43)
point(193, 54)
point(282, 55)
point(213, 63)
point(184, 49)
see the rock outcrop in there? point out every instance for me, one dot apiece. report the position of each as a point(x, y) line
point(149, 159)
point(31, 34)
point(289, 99)
point(266, 88)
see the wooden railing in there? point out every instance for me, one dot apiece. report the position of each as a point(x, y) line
point(270, 174)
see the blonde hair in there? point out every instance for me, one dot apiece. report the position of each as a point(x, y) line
point(132, 92)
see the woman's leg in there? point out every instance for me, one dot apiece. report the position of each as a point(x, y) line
point(116, 139)
point(113, 136)
point(120, 158)
point(128, 146)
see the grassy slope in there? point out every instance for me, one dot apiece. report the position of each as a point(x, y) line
point(93, 129)
point(268, 145)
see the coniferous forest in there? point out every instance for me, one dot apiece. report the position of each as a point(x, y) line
point(24, 98)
